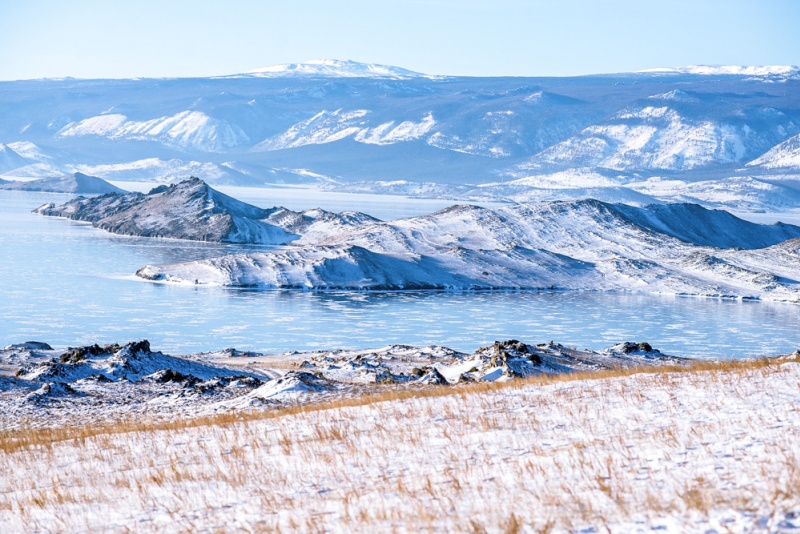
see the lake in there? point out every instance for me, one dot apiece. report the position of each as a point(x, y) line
point(67, 284)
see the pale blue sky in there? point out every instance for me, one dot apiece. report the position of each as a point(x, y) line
point(144, 38)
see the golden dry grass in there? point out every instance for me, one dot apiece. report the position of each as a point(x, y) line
point(37, 437)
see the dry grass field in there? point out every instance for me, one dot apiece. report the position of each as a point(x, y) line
point(715, 446)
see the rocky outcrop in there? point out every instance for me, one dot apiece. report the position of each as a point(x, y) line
point(503, 360)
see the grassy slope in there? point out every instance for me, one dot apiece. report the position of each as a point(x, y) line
point(711, 447)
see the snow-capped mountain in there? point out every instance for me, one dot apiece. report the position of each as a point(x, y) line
point(184, 130)
point(343, 122)
point(331, 126)
point(335, 68)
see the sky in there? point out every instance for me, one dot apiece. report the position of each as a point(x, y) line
point(184, 38)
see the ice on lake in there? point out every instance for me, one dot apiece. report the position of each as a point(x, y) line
point(67, 283)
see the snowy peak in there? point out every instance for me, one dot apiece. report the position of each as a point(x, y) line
point(335, 68)
point(195, 192)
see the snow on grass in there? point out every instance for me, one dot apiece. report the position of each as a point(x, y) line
point(715, 447)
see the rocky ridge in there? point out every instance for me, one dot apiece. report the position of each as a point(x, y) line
point(116, 380)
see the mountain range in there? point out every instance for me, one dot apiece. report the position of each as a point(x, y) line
point(344, 125)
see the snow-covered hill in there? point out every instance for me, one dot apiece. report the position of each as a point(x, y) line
point(578, 245)
point(676, 131)
point(187, 210)
point(371, 125)
point(76, 183)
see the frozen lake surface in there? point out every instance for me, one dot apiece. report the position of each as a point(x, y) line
point(66, 283)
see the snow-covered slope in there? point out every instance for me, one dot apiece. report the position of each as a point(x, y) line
point(676, 451)
point(76, 183)
point(785, 154)
point(187, 210)
point(586, 245)
point(672, 131)
point(185, 130)
point(740, 193)
point(330, 126)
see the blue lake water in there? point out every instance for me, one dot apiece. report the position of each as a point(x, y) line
point(67, 284)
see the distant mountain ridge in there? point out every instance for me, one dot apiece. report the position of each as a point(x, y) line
point(336, 69)
point(337, 123)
